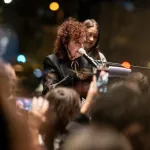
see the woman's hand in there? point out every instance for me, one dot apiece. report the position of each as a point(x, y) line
point(89, 99)
point(93, 87)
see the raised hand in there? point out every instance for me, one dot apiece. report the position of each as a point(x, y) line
point(36, 116)
point(89, 99)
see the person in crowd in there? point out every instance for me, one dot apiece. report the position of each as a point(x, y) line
point(92, 40)
point(65, 114)
point(6, 106)
point(36, 120)
point(135, 78)
point(65, 66)
point(141, 80)
point(8, 73)
point(124, 108)
point(64, 106)
point(96, 138)
point(14, 131)
point(11, 126)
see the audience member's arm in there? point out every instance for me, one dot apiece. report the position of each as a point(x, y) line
point(89, 99)
point(37, 118)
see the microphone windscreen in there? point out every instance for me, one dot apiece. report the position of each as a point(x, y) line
point(118, 71)
point(81, 51)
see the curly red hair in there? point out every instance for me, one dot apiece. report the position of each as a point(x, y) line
point(70, 29)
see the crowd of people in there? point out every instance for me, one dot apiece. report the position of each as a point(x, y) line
point(60, 119)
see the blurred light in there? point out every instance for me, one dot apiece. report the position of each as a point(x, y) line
point(27, 103)
point(3, 44)
point(4, 41)
point(54, 6)
point(39, 88)
point(21, 58)
point(7, 1)
point(128, 6)
point(9, 44)
point(126, 64)
point(37, 73)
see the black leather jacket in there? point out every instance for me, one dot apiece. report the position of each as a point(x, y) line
point(58, 72)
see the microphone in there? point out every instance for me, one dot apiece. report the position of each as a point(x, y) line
point(118, 71)
point(87, 57)
point(114, 71)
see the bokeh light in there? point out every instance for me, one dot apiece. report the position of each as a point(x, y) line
point(7, 1)
point(37, 73)
point(21, 58)
point(126, 64)
point(54, 6)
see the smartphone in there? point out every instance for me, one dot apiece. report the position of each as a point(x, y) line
point(25, 103)
point(102, 81)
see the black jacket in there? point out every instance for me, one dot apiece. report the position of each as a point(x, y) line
point(58, 72)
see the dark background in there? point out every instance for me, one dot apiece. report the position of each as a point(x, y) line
point(124, 27)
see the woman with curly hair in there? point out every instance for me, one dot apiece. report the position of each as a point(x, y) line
point(58, 67)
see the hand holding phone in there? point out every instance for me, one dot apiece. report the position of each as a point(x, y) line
point(25, 103)
point(102, 80)
point(37, 115)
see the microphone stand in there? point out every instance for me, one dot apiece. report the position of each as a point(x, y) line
point(101, 66)
point(120, 65)
point(52, 86)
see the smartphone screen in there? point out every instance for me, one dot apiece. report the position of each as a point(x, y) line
point(25, 102)
point(102, 81)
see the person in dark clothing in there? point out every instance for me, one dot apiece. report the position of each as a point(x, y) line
point(96, 138)
point(141, 80)
point(60, 115)
point(64, 106)
point(58, 67)
point(125, 108)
